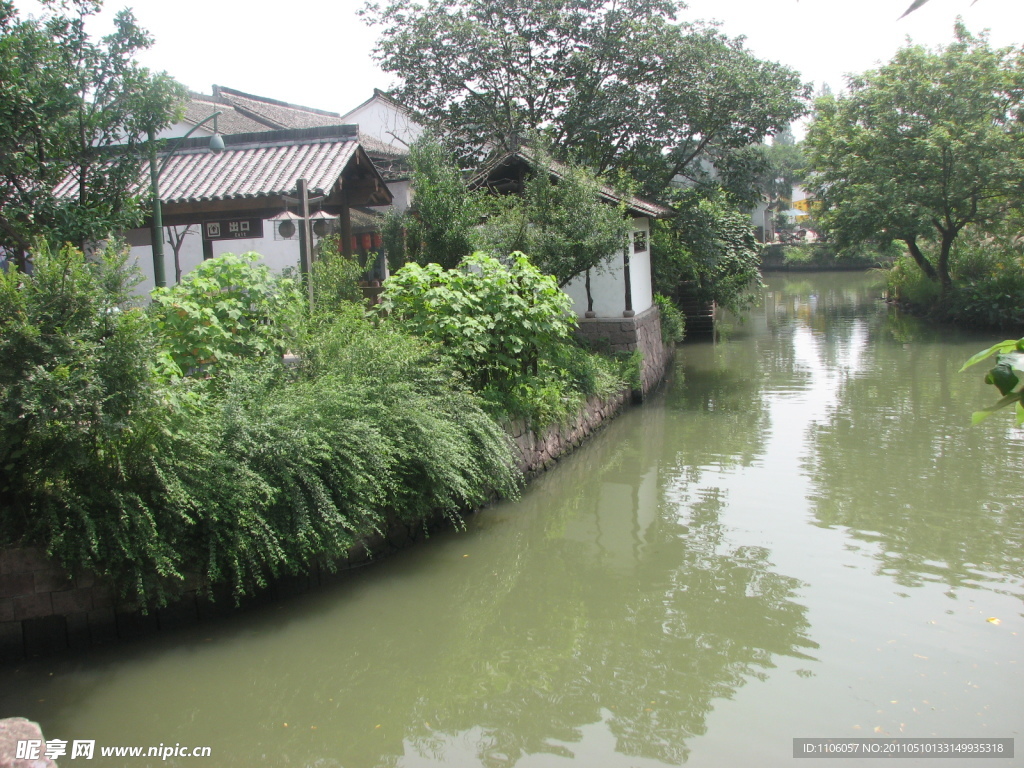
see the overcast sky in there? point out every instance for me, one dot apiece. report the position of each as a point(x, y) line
point(318, 52)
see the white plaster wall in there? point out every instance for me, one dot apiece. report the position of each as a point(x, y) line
point(177, 130)
point(607, 283)
point(640, 269)
point(606, 286)
point(276, 254)
point(385, 122)
point(401, 192)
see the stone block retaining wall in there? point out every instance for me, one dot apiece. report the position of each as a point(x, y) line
point(624, 334)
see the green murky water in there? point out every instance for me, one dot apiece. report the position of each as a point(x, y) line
point(801, 536)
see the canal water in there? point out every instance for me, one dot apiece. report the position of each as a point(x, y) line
point(802, 535)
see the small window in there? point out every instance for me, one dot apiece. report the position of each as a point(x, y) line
point(639, 241)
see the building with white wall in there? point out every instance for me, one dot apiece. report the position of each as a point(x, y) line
point(622, 285)
point(234, 201)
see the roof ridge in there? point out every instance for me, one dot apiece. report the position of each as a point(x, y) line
point(223, 89)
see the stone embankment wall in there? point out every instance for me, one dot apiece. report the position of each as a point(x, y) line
point(624, 334)
point(537, 452)
point(45, 610)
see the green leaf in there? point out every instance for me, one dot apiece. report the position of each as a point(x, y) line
point(1002, 346)
point(1002, 376)
point(979, 416)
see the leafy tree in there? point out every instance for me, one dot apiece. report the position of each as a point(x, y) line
point(620, 85)
point(73, 112)
point(560, 220)
point(923, 147)
point(439, 228)
point(708, 243)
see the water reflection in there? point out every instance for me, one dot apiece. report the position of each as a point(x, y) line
point(898, 462)
point(606, 596)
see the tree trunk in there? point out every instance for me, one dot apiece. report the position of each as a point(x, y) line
point(945, 280)
point(922, 262)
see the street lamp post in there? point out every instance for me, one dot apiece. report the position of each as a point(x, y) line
point(216, 146)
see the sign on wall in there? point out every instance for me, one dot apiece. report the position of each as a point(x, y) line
point(233, 229)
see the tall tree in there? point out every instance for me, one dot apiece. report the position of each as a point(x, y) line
point(440, 227)
point(922, 147)
point(73, 112)
point(560, 220)
point(610, 84)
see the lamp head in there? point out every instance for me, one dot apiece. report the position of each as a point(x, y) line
point(216, 143)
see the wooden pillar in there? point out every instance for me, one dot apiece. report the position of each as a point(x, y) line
point(627, 278)
point(305, 239)
point(345, 221)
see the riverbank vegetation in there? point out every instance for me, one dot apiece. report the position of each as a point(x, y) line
point(172, 444)
point(117, 460)
point(824, 255)
point(925, 152)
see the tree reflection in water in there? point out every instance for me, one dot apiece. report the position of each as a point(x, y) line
point(900, 465)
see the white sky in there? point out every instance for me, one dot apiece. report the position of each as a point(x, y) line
point(317, 52)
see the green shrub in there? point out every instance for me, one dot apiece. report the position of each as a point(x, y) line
point(495, 321)
point(673, 321)
point(148, 480)
point(83, 417)
point(276, 472)
point(907, 284)
point(335, 277)
point(228, 309)
point(988, 272)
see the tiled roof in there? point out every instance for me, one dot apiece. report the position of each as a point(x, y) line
point(254, 171)
point(245, 112)
point(392, 162)
point(634, 204)
point(230, 120)
point(278, 114)
point(261, 164)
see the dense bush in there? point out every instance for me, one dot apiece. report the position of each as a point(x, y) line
point(279, 470)
point(228, 309)
point(495, 321)
point(508, 329)
point(83, 417)
point(825, 255)
point(335, 277)
point(988, 270)
point(673, 321)
point(149, 479)
point(907, 284)
point(988, 287)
